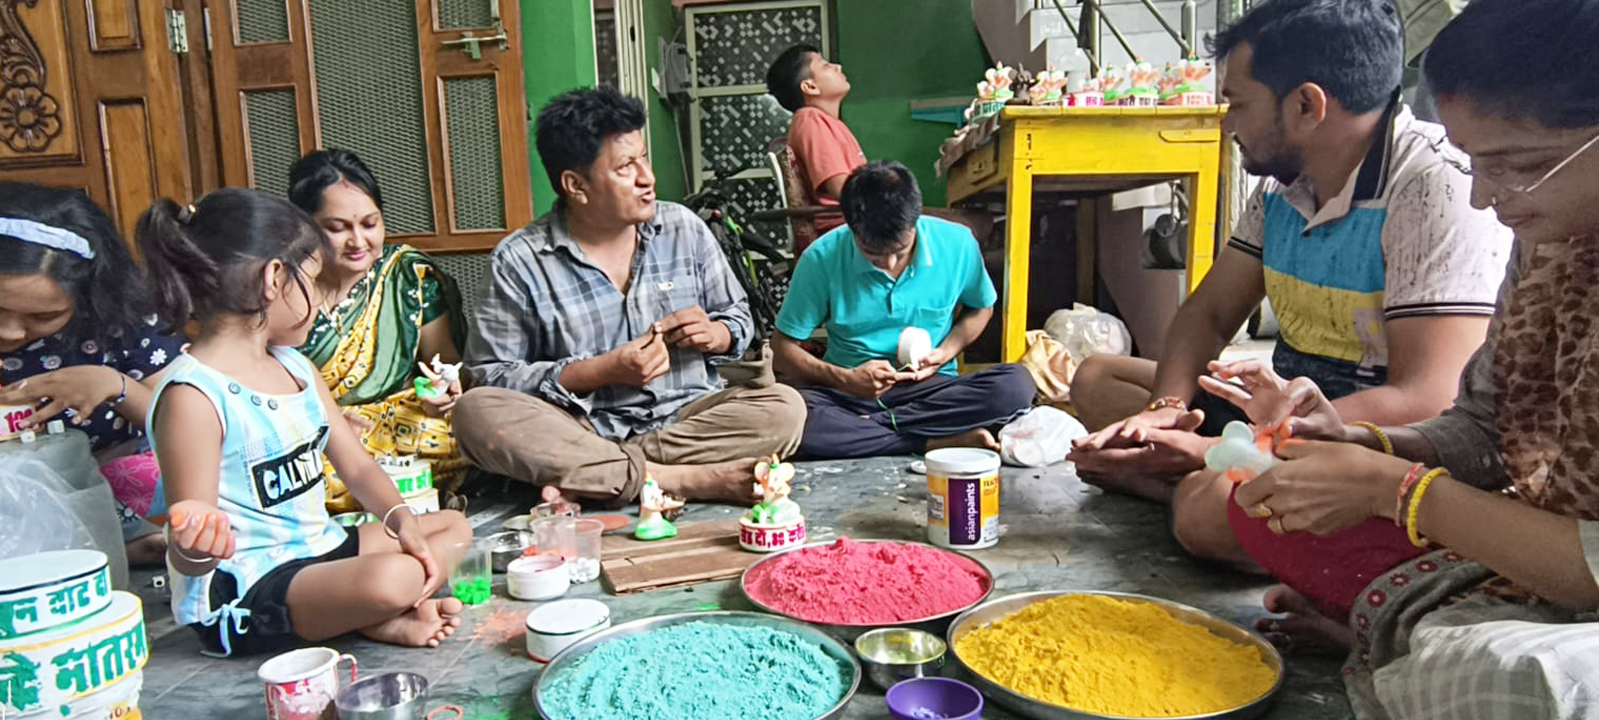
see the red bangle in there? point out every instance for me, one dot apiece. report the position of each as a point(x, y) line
point(1404, 488)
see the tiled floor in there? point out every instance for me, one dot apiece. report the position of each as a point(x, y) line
point(1059, 533)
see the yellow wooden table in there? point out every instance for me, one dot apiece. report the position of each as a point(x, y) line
point(1091, 151)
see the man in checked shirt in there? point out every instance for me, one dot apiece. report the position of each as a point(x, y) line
point(595, 348)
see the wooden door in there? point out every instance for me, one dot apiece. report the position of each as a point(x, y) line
point(440, 118)
point(90, 98)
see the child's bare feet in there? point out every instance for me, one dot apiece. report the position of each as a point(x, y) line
point(1303, 628)
point(729, 482)
point(979, 438)
point(425, 626)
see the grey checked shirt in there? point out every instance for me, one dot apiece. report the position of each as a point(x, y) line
point(548, 306)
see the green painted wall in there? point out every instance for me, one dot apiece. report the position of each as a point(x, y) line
point(895, 52)
point(666, 151)
point(558, 55)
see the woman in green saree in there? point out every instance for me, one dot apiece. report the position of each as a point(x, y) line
point(385, 309)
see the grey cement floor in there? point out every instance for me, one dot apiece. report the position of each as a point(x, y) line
point(1059, 534)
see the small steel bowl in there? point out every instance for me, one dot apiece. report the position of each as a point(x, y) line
point(507, 546)
point(890, 655)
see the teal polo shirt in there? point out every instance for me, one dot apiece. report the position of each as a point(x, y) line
point(864, 310)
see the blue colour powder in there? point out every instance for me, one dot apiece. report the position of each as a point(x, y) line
point(700, 671)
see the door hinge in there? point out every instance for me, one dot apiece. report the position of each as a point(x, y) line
point(178, 31)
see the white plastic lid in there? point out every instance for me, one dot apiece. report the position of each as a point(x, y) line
point(19, 573)
point(56, 427)
point(532, 564)
point(962, 461)
point(565, 617)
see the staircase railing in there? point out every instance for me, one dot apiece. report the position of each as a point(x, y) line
point(1089, 32)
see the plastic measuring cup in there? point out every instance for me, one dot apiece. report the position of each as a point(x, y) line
point(586, 565)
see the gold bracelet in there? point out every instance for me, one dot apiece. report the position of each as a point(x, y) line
point(1415, 506)
point(1382, 437)
point(1167, 402)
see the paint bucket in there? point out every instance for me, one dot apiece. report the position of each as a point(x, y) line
point(537, 577)
point(300, 684)
point(554, 626)
point(963, 498)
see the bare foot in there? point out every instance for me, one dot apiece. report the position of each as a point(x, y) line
point(426, 626)
point(551, 493)
point(979, 438)
point(148, 550)
point(730, 482)
point(1155, 488)
point(1302, 628)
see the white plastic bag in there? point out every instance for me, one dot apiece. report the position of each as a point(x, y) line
point(53, 497)
point(1041, 437)
point(1086, 331)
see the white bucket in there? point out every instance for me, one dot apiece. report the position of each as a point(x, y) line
point(963, 498)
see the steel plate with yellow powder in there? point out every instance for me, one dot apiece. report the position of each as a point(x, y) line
point(1069, 654)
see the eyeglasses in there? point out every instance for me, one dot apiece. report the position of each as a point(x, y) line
point(1449, 157)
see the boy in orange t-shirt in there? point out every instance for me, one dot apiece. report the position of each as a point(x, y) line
point(825, 150)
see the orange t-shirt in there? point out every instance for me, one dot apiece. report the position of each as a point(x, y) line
point(824, 148)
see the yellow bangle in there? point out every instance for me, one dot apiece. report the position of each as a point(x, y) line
point(1382, 437)
point(1415, 506)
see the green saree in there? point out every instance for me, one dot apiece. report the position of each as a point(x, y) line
point(366, 349)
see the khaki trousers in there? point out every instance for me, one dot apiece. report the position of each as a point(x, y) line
point(520, 436)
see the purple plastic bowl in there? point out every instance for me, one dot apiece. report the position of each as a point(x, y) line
point(934, 698)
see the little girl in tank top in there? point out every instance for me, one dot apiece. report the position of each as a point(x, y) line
point(239, 426)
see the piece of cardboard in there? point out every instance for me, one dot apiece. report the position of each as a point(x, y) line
point(701, 552)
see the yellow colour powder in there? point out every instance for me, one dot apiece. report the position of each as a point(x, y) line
point(1115, 657)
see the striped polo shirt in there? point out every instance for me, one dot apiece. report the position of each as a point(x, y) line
point(1400, 240)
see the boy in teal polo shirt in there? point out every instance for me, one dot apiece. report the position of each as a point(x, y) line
point(888, 268)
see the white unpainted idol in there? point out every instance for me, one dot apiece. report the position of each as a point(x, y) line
point(914, 345)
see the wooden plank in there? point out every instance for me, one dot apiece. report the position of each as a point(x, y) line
point(129, 157)
point(113, 25)
point(38, 77)
point(702, 552)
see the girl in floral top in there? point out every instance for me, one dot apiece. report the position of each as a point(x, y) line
point(78, 341)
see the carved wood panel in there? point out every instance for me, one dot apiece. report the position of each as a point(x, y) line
point(130, 171)
point(113, 24)
point(91, 96)
point(37, 103)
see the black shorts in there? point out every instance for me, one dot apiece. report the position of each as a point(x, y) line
point(1218, 413)
point(267, 627)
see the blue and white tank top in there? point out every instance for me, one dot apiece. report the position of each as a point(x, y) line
point(271, 480)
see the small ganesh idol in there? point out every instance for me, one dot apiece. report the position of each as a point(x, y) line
point(654, 504)
point(775, 523)
point(437, 377)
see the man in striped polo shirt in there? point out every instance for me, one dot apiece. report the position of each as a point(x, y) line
point(1362, 235)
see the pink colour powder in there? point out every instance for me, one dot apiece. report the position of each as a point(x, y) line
point(855, 583)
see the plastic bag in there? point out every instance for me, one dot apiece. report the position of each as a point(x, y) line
point(53, 497)
point(1051, 366)
point(1041, 437)
point(1086, 331)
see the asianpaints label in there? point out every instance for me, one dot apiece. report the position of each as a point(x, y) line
point(963, 512)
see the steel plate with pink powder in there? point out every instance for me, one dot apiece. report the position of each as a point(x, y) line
point(872, 583)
